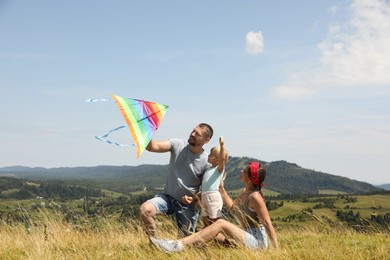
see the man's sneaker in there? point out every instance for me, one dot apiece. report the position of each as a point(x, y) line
point(167, 245)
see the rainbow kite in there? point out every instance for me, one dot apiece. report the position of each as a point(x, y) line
point(142, 117)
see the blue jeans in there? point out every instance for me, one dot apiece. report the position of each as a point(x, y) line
point(186, 216)
point(256, 238)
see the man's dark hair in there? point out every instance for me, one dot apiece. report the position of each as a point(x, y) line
point(209, 129)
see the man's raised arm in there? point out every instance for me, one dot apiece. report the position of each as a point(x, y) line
point(159, 146)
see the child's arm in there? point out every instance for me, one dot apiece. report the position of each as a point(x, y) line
point(222, 159)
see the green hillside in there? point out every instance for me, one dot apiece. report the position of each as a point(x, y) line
point(289, 178)
point(282, 177)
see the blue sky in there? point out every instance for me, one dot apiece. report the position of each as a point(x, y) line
point(303, 81)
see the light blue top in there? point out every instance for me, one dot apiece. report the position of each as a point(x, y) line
point(212, 179)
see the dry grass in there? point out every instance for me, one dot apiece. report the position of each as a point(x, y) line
point(48, 236)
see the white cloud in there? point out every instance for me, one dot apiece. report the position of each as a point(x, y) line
point(354, 54)
point(254, 43)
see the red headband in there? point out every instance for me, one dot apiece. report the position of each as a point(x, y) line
point(253, 172)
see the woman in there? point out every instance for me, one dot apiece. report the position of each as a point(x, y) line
point(250, 209)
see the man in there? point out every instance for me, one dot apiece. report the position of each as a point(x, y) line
point(187, 165)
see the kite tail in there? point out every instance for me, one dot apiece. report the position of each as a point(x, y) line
point(98, 100)
point(103, 137)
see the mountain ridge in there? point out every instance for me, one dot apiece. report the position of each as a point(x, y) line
point(282, 177)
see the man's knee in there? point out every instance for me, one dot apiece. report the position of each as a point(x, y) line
point(147, 209)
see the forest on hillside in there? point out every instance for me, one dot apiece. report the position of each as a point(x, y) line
point(282, 177)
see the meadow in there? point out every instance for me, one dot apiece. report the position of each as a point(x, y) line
point(49, 237)
point(47, 234)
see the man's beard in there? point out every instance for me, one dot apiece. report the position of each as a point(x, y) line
point(191, 141)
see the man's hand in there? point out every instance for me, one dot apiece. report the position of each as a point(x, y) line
point(187, 199)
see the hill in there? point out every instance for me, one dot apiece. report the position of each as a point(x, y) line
point(384, 186)
point(289, 178)
point(282, 177)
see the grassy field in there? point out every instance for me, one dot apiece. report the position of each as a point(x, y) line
point(112, 194)
point(49, 237)
point(364, 204)
point(46, 234)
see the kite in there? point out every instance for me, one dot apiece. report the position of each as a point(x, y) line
point(142, 117)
